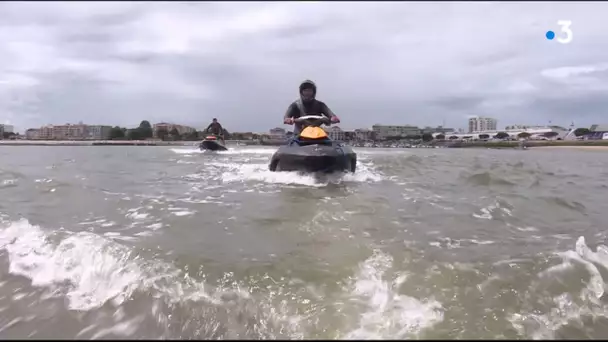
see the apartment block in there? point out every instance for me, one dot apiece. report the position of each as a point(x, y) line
point(482, 124)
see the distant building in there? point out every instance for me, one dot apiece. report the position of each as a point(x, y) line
point(32, 134)
point(438, 129)
point(599, 128)
point(63, 132)
point(247, 135)
point(181, 129)
point(336, 133)
point(7, 128)
point(385, 131)
point(161, 126)
point(68, 131)
point(45, 132)
point(364, 134)
point(98, 132)
point(535, 132)
point(597, 132)
point(482, 124)
point(523, 127)
point(278, 133)
point(185, 129)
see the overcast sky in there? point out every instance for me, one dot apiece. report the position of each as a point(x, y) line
point(392, 63)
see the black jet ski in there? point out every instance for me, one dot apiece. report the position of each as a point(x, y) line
point(212, 143)
point(313, 151)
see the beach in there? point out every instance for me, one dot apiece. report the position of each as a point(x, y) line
point(594, 148)
point(95, 143)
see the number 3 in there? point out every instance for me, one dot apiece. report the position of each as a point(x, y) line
point(565, 24)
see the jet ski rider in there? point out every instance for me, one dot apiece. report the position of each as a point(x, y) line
point(216, 129)
point(307, 105)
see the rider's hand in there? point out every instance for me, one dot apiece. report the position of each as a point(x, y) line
point(288, 121)
point(335, 119)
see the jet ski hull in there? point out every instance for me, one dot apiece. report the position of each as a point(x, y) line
point(326, 158)
point(212, 145)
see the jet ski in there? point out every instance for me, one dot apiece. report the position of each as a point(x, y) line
point(313, 151)
point(212, 143)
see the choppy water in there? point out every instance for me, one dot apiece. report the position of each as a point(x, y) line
point(158, 242)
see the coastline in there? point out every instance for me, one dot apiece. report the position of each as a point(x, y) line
point(95, 143)
point(594, 148)
point(531, 144)
point(597, 145)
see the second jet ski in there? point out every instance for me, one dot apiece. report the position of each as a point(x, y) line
point(212, 143)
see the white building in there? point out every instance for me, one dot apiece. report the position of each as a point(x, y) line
point(363, 134)
point(482, 124)
point(98, 132)
point(168, 127)
point(535, 133)
point(385, 131)
point(63, 132)
point(599, 128)
point(32, 134)
point(522, 127)
point(7, 128)
point(278, 133)
point(69, 132)
point(336, 133)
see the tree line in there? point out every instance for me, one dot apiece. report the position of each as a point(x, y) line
point(145, 131)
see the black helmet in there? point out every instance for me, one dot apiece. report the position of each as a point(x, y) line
point(308, 84)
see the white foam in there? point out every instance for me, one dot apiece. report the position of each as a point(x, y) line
point(99, 221)
point(182, 213)
point(90, 270)
point(388, 314)
point(486, 213)
point(155, 226)
point(255, 168)
point(260, 172)
point(95, 269)
point(185, 150)
point(134, 214)
point(568, 307)
point(8, 183)
point(230, 151)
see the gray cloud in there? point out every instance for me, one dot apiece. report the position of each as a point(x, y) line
point(399, 63)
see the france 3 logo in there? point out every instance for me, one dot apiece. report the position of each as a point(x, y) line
point(565, 30)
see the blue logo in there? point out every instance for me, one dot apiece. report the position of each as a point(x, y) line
point(565, 29)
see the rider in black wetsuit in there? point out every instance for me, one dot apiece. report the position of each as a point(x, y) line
point(216, 129)
point(307, 105)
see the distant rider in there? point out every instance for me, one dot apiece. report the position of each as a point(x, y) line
point(307, 105)
point(216, 129)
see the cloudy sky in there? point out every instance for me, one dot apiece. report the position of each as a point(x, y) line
point(118, 63)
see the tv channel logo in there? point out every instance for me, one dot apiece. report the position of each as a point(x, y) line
point(565, 29)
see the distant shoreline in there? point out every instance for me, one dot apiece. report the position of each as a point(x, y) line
point(572, 144)
point(95, 143)
point(596, 148)
point(581, 144)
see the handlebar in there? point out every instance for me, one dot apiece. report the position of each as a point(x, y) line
point(313, 118)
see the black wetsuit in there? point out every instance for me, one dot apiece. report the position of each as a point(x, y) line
point(312, 107)
point(215, 128)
